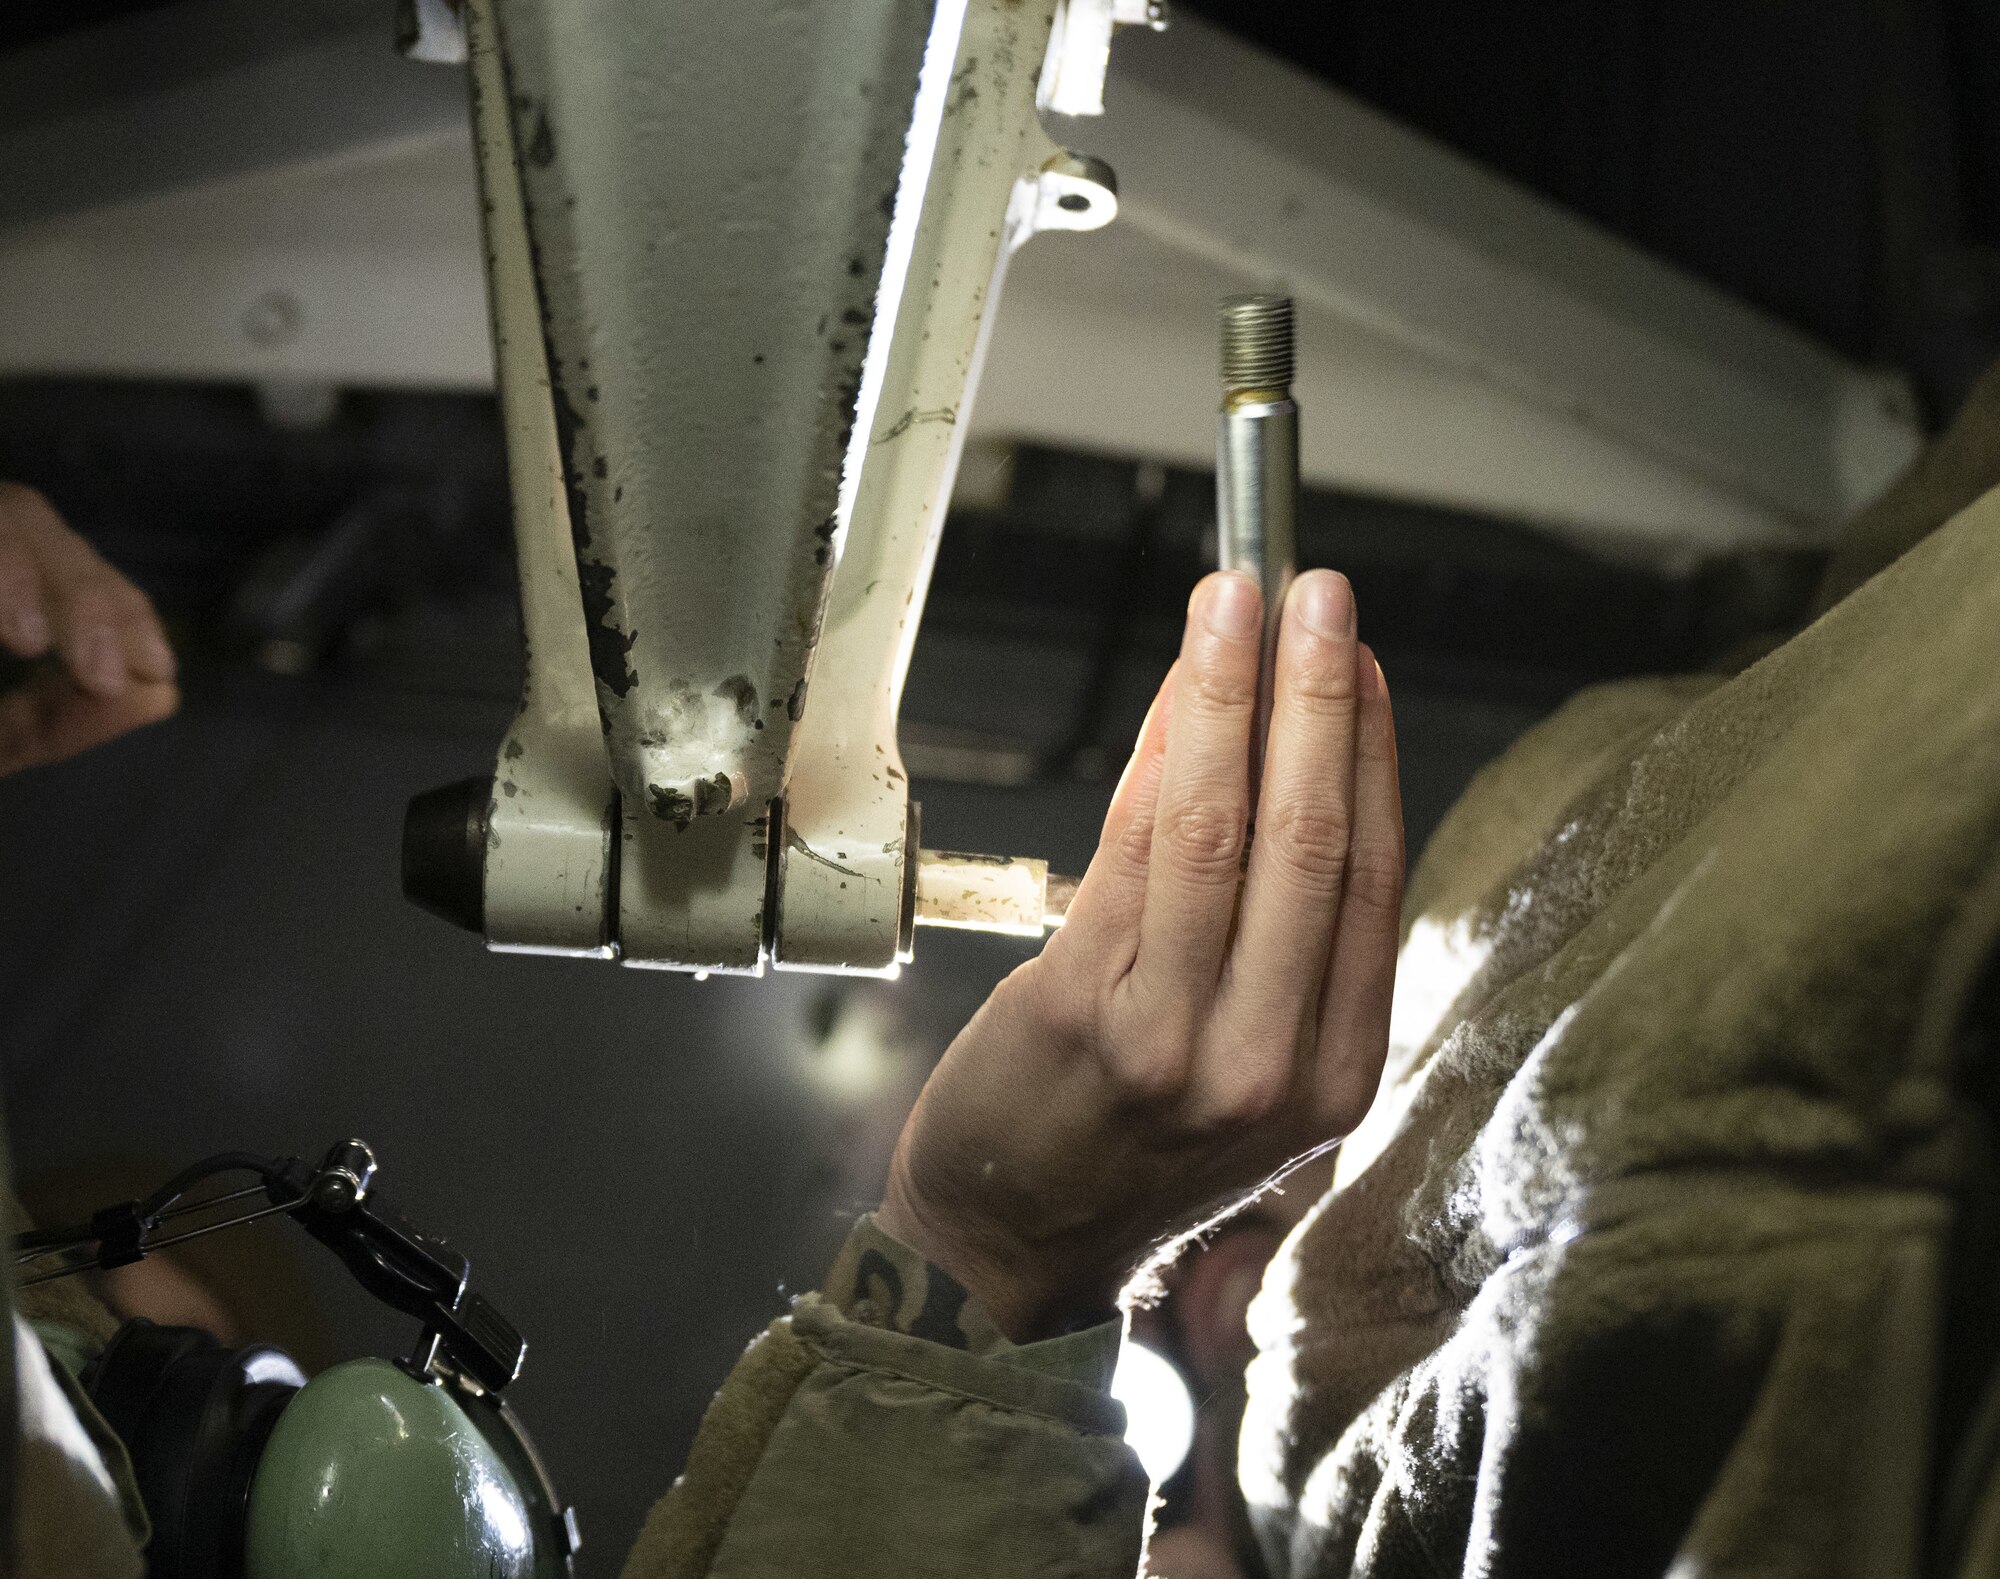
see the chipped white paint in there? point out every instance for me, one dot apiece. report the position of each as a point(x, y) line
point(982, 893)
point(993, 180)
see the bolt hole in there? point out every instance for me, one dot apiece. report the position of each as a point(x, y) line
point(1072, 202)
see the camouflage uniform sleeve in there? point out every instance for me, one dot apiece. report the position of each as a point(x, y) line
point(886, 1426)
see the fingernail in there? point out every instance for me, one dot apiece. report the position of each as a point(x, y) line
point(1232, 608)
point(27, 630)
point(100, 663)
point(1326, 604)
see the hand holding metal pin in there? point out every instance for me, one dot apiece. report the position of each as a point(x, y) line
point(1257, 503)
point(1216, 1005)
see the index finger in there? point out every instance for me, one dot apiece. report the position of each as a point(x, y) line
point(1104, 916)
point(1201, 821)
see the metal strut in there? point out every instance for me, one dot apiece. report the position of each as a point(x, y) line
point(743, 263)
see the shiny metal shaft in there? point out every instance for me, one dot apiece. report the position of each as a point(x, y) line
point(1257, 463)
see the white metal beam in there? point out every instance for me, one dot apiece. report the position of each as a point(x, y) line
point(1463, 342)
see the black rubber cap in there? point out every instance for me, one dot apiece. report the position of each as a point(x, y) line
point(444, 852)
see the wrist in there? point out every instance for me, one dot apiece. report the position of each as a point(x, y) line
point(1025, 1301)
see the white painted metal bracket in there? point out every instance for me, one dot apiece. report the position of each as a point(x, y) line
point(707, 195)
point(994, 180)
point(729, 474)
point(549, 824)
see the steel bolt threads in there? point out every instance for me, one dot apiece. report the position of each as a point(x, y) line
point(1257, 345)
point(1257, 467)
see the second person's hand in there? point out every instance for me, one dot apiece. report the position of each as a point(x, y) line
point(106, 664)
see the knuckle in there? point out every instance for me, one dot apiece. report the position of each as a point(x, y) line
point(1205, 839)
point(1149, 1058)
point(1325, 687)
point(1223, 688)
point(124, 596)
point(28, 519)
point(17, 571)
point(1063, 1013)
point(1071, 1028)
point(135, 609)
point(1252, 1098)
point(1309, 840)
point(1153, 1079)
point(1133, 846)
point(1374, 883)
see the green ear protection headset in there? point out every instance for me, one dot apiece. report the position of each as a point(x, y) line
point(406, 1469)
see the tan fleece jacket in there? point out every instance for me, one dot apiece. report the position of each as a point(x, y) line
point(1637, 1266)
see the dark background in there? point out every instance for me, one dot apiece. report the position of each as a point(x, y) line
point(202, 944)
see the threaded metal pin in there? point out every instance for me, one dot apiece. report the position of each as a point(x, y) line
point(1257, 344)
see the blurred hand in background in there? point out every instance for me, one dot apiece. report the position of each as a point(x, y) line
point(92, 659)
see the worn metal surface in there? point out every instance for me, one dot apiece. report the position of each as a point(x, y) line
point(993, 179)
point(983, 893)
point(712, 504)
point(549, 828)
point(709, 191)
